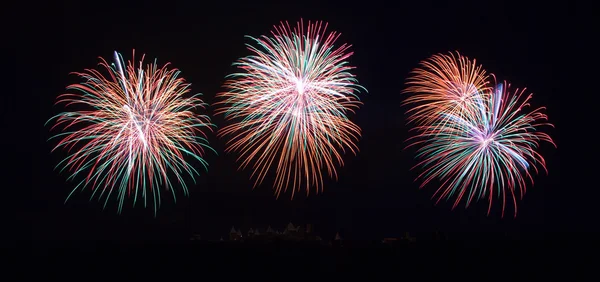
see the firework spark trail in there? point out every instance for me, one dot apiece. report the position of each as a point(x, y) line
point(135, 129)
point(289, 104)
point(492, 147)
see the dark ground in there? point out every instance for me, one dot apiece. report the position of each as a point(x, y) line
point(546, 259)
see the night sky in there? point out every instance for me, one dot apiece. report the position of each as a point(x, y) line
point(376, 195)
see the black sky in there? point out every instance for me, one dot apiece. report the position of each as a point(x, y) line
point(375, 195)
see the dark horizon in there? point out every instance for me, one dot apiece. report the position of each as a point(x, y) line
point(376, 195)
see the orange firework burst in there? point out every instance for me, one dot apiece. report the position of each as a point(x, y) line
point(444, 84)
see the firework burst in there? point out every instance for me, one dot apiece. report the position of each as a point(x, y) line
point(289, 104)
point(444, 84)
point(487, 153)
point(130, 131)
